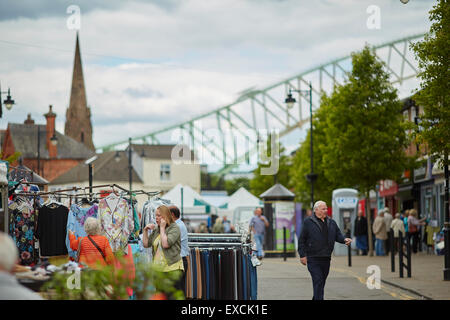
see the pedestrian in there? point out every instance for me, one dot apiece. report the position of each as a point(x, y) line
point(165, 241)
point(258, 225)
point(316, 243)
point(228, 228)
point(414, 228)
point(405, 220)
point(360, 232)
point(94, 249)
point(218, 226)
point(10, 288)
point(202, 228)
point(184, 244)
point(387, 220)
point(398, 226)
point(379, 229)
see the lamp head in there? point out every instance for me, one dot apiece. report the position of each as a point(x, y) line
point(290, 100)
point(8, 102)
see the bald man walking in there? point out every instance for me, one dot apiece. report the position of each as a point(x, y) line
point(316, 243)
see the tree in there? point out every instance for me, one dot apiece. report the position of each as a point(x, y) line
point(211, 181)
point(433, 56)
point(233, 185)
point(301, 166)
point(364, 130)
point(262, 182)
point(12, 158)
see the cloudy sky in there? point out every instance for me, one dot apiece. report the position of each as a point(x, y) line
point(149, 64)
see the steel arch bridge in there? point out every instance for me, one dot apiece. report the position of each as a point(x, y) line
point(234, 134)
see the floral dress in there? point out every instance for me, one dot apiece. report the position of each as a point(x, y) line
point(117, 221)
point(75, 222)
point(21, 229)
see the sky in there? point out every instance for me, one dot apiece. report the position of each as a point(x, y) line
point(151, 64)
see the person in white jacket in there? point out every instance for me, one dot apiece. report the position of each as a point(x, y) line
point(398, 226)
point(387, 220)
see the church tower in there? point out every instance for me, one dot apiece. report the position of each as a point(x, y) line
point(78, 116)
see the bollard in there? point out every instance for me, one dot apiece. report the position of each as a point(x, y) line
point(400, 253)
point(408, 254)
point(284, 244)
point(391, 231)
point(349, 252)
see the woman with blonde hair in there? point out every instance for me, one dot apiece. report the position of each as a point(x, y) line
point(165, 241)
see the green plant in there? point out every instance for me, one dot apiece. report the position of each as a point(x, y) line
point(111, 283)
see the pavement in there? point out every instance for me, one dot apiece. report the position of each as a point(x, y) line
point(290, 280)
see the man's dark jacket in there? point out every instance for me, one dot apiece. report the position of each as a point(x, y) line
point(360, 227)
point(312, 243)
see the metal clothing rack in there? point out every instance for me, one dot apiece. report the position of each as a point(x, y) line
point(218, 241)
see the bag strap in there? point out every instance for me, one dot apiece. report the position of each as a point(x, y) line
point(93, 242)
point(78, 250)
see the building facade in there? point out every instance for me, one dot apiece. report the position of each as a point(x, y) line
point(39, 152)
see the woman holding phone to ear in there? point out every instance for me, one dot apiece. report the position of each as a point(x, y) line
point(165, 241)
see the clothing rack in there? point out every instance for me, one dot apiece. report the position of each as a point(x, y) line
point(220, 271)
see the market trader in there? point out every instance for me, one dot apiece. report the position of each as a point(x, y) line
point(316, 243)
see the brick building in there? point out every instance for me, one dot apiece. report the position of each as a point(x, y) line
point(49, 160)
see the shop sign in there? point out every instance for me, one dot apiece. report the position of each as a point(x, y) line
point(406, 176)
point(388, 188)
point(421, 173)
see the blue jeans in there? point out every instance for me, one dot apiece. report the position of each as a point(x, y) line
point(259, 239)
point(379, 247)
point(253, 280)
point(319, 269)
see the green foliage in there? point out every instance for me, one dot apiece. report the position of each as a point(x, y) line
point(365, 135)
point(233, 185)
point(301, 166)
point(12, 158)
point(110, 283)
point(212, 181)
point(433, 56)
point(262, 182)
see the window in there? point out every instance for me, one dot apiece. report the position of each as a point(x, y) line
point(164, 172)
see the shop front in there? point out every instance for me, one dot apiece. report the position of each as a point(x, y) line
point(424, 183)
point(405, 193)
point(388, 191)
point(439, 192)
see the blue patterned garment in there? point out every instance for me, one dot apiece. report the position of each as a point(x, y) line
point(75, 223)
point(21, 229)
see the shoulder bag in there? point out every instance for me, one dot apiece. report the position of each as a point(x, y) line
point(99, 250)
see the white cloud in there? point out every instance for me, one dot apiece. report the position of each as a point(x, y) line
point(147, 65)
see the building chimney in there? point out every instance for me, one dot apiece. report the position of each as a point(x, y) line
point(50, 116)
point(29, 120)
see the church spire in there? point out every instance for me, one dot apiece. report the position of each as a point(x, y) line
point(78, 116)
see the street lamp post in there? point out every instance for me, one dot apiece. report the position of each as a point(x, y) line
point(129, 163)
point(8, 102)
point(311, 177)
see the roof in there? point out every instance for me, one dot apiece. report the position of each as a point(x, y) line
point(159, 151)
point(241, 198)
point(2, 136)
point(105, 168)
point(24, 137)
point(190, 197)
point(276, 192)
point(215, 197)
